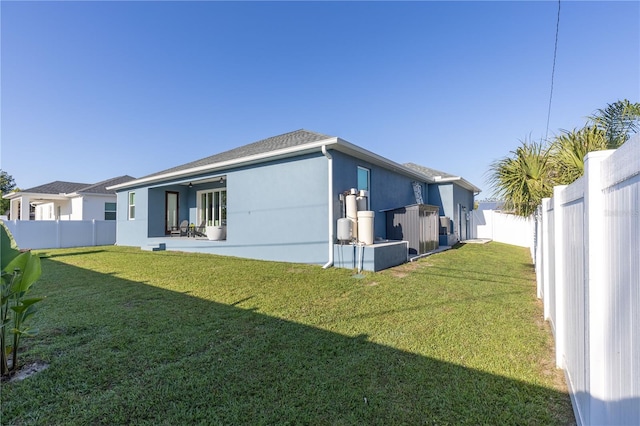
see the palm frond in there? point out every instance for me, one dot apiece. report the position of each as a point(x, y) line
point(618, 121)
point(569, 149)
point(523, 178)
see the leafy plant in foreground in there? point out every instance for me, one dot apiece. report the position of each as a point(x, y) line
point(19, 271)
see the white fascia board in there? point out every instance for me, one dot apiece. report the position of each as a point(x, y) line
point(358, 152)
point(251, 159)
point(460, 181)
point(33, 196)
point(332, 143)
point(87, 194)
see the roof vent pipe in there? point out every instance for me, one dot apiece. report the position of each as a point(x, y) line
point(330, 205)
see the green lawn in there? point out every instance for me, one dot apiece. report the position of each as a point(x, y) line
point(166, 338)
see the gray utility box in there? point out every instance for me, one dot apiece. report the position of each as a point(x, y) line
point(418, 224)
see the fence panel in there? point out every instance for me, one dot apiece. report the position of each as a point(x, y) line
point(503, 227)
point(622, 257)
point(44, 234)
point(590, 279)
point(574, 323)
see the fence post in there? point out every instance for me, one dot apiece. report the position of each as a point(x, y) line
point(558, 243)
point(538, 252)
point(545, 236)
point(595, 280)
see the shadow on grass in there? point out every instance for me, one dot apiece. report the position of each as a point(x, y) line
point(45, 254)
point(123, 352)
point(466, 274)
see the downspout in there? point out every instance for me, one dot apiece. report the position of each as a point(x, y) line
point(330, 205)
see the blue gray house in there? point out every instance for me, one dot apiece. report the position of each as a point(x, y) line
point(281, 199)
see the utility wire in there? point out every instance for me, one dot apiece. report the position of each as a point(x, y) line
point(553, 71)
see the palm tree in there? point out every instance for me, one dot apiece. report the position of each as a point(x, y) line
point(569, 149)
point(618, 121)
point(523, 179)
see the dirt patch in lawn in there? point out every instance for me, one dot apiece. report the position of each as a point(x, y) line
point(26, 371)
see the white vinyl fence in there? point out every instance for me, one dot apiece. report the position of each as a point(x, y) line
point(44, 234)
point(588, 268)
point(503, 227)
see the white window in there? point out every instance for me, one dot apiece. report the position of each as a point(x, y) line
point(212, 207)
point(132, 205)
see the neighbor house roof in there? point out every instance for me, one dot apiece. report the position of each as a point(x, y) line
point(442, 177)
point(56, 187)
point(101, 187)
point(65, 189)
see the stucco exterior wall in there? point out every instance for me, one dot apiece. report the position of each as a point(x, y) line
point(275, 211)
point(388, 189)
point(450, 197)
point(93, 206)
point(132, 232)
point(77, 208)
point(281, 207)
point(463, 198)
point(45, 211)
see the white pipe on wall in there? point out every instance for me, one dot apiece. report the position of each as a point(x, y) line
point(330, 206)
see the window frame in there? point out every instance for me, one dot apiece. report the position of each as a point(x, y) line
point(113, 211)
point(131, 205)
point(207, 210)
point(368, 183)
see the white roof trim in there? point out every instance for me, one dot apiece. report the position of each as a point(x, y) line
point(334, 143)
point(459, 180)
point(281, 153)
point(35, 195)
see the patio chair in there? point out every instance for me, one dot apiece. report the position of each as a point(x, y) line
point(182, 230)
point(200, 230)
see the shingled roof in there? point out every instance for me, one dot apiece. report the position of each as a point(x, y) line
point(59, 187)
point(429, 172)
point(438, 176)
point(101, 187)
point(56, 187)
point(282, 146)
point(274, 143)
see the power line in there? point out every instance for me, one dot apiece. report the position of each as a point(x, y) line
point(553, 71)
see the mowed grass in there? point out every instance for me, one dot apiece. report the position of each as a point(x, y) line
point(168, 338)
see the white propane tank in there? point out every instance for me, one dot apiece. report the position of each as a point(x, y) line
point(365, 227)
point(352, 214)
point(345, 229)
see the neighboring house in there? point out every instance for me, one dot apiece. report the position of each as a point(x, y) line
point(66, 201)
point(279, 199)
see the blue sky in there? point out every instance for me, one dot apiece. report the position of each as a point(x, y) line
point(94, 90)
